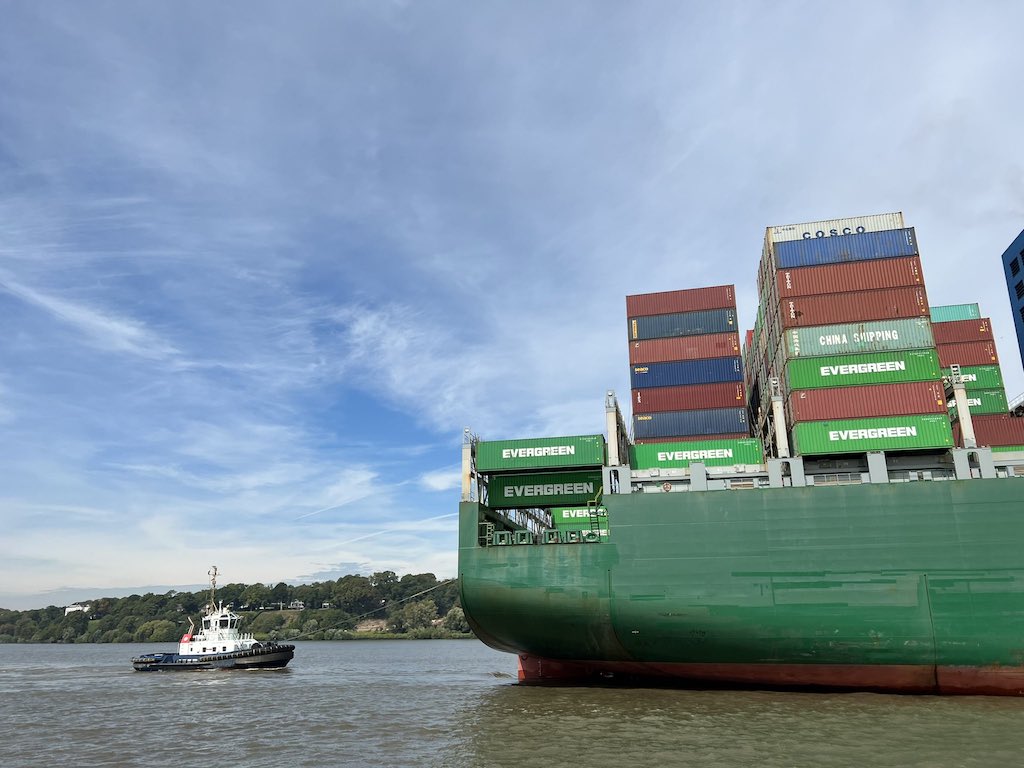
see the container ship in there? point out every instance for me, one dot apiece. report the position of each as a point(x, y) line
point(833, 502)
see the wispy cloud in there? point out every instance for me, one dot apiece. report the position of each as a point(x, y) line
point(105, 330)
point(442, 479)
point(262, 282)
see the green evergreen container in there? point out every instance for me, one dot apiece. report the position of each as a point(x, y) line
point(1008, 449)
point(546, 489)
point(580, 519)
point(540, 453)
point(891, 433)
point(857, 338)
point(982, 402)
point(562, 517)
point(949, 313)
point(855, 370)
point(980, 376)
point(712, 453)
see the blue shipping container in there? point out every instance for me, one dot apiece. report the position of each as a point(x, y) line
point(682, 324)
point(864, 246)
point(717, 421)
point(711, 371)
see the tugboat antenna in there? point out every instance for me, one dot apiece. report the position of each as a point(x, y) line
point(213, 585)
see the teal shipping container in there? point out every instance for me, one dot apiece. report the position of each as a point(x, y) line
point(682, 324)
point(948, 313)
point(855, 338)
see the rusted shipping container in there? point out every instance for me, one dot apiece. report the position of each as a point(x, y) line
point(684, 348)
point(689, 398)
point(850, 276)
point(960, 331)
point(966, 352)
point(692, 438)
point(917, 397)
point(856, 307)
point(688, 300)
point(994, 429)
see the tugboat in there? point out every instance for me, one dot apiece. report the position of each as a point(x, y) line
point(217, 645)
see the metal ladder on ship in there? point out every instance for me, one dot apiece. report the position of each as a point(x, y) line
point(593, 510)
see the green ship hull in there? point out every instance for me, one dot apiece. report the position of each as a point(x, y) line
point(909, 587)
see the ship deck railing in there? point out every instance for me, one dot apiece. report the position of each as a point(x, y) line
point(500, 527)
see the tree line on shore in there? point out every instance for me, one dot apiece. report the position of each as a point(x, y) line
point(415, 605)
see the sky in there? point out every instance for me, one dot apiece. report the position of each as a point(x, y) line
point(262, 263)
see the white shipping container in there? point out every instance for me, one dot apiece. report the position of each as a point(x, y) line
point(879, 222)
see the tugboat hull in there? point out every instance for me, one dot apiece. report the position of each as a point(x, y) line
point(265, 657)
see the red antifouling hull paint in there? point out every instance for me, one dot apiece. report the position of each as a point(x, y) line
point(897, 678)
point(689, 300)
point(967, 353)
point(960, 331)
point(689, 398)
point(850, 276)
point(692, 438)
point(859, 306)
point(918, 397)
point(993, 429)
point(684, 348)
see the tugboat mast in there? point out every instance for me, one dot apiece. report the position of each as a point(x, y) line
point(213, 586)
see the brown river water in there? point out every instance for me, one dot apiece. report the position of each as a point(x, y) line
point(455, 704)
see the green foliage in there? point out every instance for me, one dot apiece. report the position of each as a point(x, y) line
point(157, 631)
point(411, 604)
point(455, 621)
point(415, 615)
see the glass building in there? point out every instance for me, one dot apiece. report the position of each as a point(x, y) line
point(1013, 267)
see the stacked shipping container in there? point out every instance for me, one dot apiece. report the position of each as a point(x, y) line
point(581, 520)
point(686, 371)
point(963, 337)
point(542, 472)
point(843, 325)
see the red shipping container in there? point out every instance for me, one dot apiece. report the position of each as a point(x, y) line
point(966, 353)
point(693, 438)
point(856, 307)
point(962, 330)
point(684, 348)
point(904, 399)
point(688, 300)
point(849, 276)
point(994, 429)
point(693, 397)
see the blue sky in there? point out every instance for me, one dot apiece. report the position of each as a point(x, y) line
point(260, 263)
